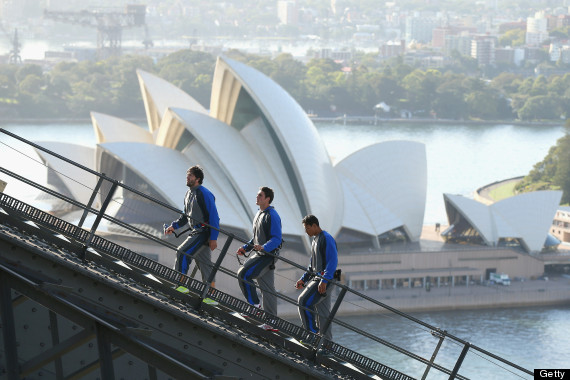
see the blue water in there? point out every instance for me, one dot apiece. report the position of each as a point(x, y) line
point(532, 338)
point(460, 158)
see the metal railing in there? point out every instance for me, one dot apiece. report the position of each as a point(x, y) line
point(90, 240)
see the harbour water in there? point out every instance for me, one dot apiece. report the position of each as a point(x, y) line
point(460, 158)
point(535, 337)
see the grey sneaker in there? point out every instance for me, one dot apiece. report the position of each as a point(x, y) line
point(324, 353)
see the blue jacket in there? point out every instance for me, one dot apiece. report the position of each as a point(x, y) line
point(205, 212)
point(324, 258)
point(266, 230)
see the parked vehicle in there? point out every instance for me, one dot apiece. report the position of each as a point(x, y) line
point(500, 278)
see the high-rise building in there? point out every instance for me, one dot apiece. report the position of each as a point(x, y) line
point(287, 12)
point(536, 29)
point(483, 49)
point(440, 34)
point(460, 43)
point(392, 49)
point(420, 28)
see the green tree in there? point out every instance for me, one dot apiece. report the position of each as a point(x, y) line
point(513, 37)
point(561, 177)
point(553, 172)
point(31, 85)
point(539, 87)
point(420, 87)
point(7, 87)
point(25, 70)
point(384, 89)
point(540, 107)
point(507, 83)
point(483, 104)
point(186, 69)
point(289, 73)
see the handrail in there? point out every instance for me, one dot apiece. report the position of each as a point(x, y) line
point(100, 214)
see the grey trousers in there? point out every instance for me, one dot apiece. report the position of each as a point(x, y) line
point(319, 308)
point(195, 247)
point(256, 269)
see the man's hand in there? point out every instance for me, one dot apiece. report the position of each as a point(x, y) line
point(213, 244)
point(322, 287)
point(240, 251)
point(300, 284)
point(257, 247)
point(169, 230)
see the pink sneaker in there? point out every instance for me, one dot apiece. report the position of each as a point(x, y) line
point(267, 327)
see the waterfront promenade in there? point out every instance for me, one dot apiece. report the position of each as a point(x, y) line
point(528, 292)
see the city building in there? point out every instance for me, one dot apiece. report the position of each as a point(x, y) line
point(460, 43)
point(287, 12)
point(536, 29)
point(420, 28)
point(392, 49)
point(441, 34)
point(483, 49)
point(559, 52)
point(561, 224)
point(509, 56)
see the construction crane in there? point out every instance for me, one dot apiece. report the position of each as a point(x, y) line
point(109, 24)
point(14, 57)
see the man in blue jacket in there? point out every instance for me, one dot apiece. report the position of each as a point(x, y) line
point(199, 208)
point(324, 259)
point(260, 267)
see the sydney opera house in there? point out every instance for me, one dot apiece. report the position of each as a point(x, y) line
point(255, 134)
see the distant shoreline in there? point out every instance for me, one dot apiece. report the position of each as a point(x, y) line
point(59, 121)
point(530, 293)
point(372, 120)
point(317, 120)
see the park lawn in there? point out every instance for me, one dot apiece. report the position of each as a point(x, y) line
point(504, 191)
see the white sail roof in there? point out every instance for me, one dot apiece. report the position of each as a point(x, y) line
point(526, 217)
point(159, 94)
point(113, 129)
point(294, 137)
point(385, 187)
point(76, 180)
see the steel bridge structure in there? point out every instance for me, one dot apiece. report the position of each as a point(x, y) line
point(75, 305)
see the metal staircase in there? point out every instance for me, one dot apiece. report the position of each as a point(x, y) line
point(77, 305)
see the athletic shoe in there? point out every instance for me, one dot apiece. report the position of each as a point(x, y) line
point(267, 327)
point(210, 301)
point(256, 313)
point(182, 289)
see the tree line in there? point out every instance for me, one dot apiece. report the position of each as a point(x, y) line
point(552, 173)
point(321, 86)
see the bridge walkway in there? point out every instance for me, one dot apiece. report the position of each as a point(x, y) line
point(76, 305)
